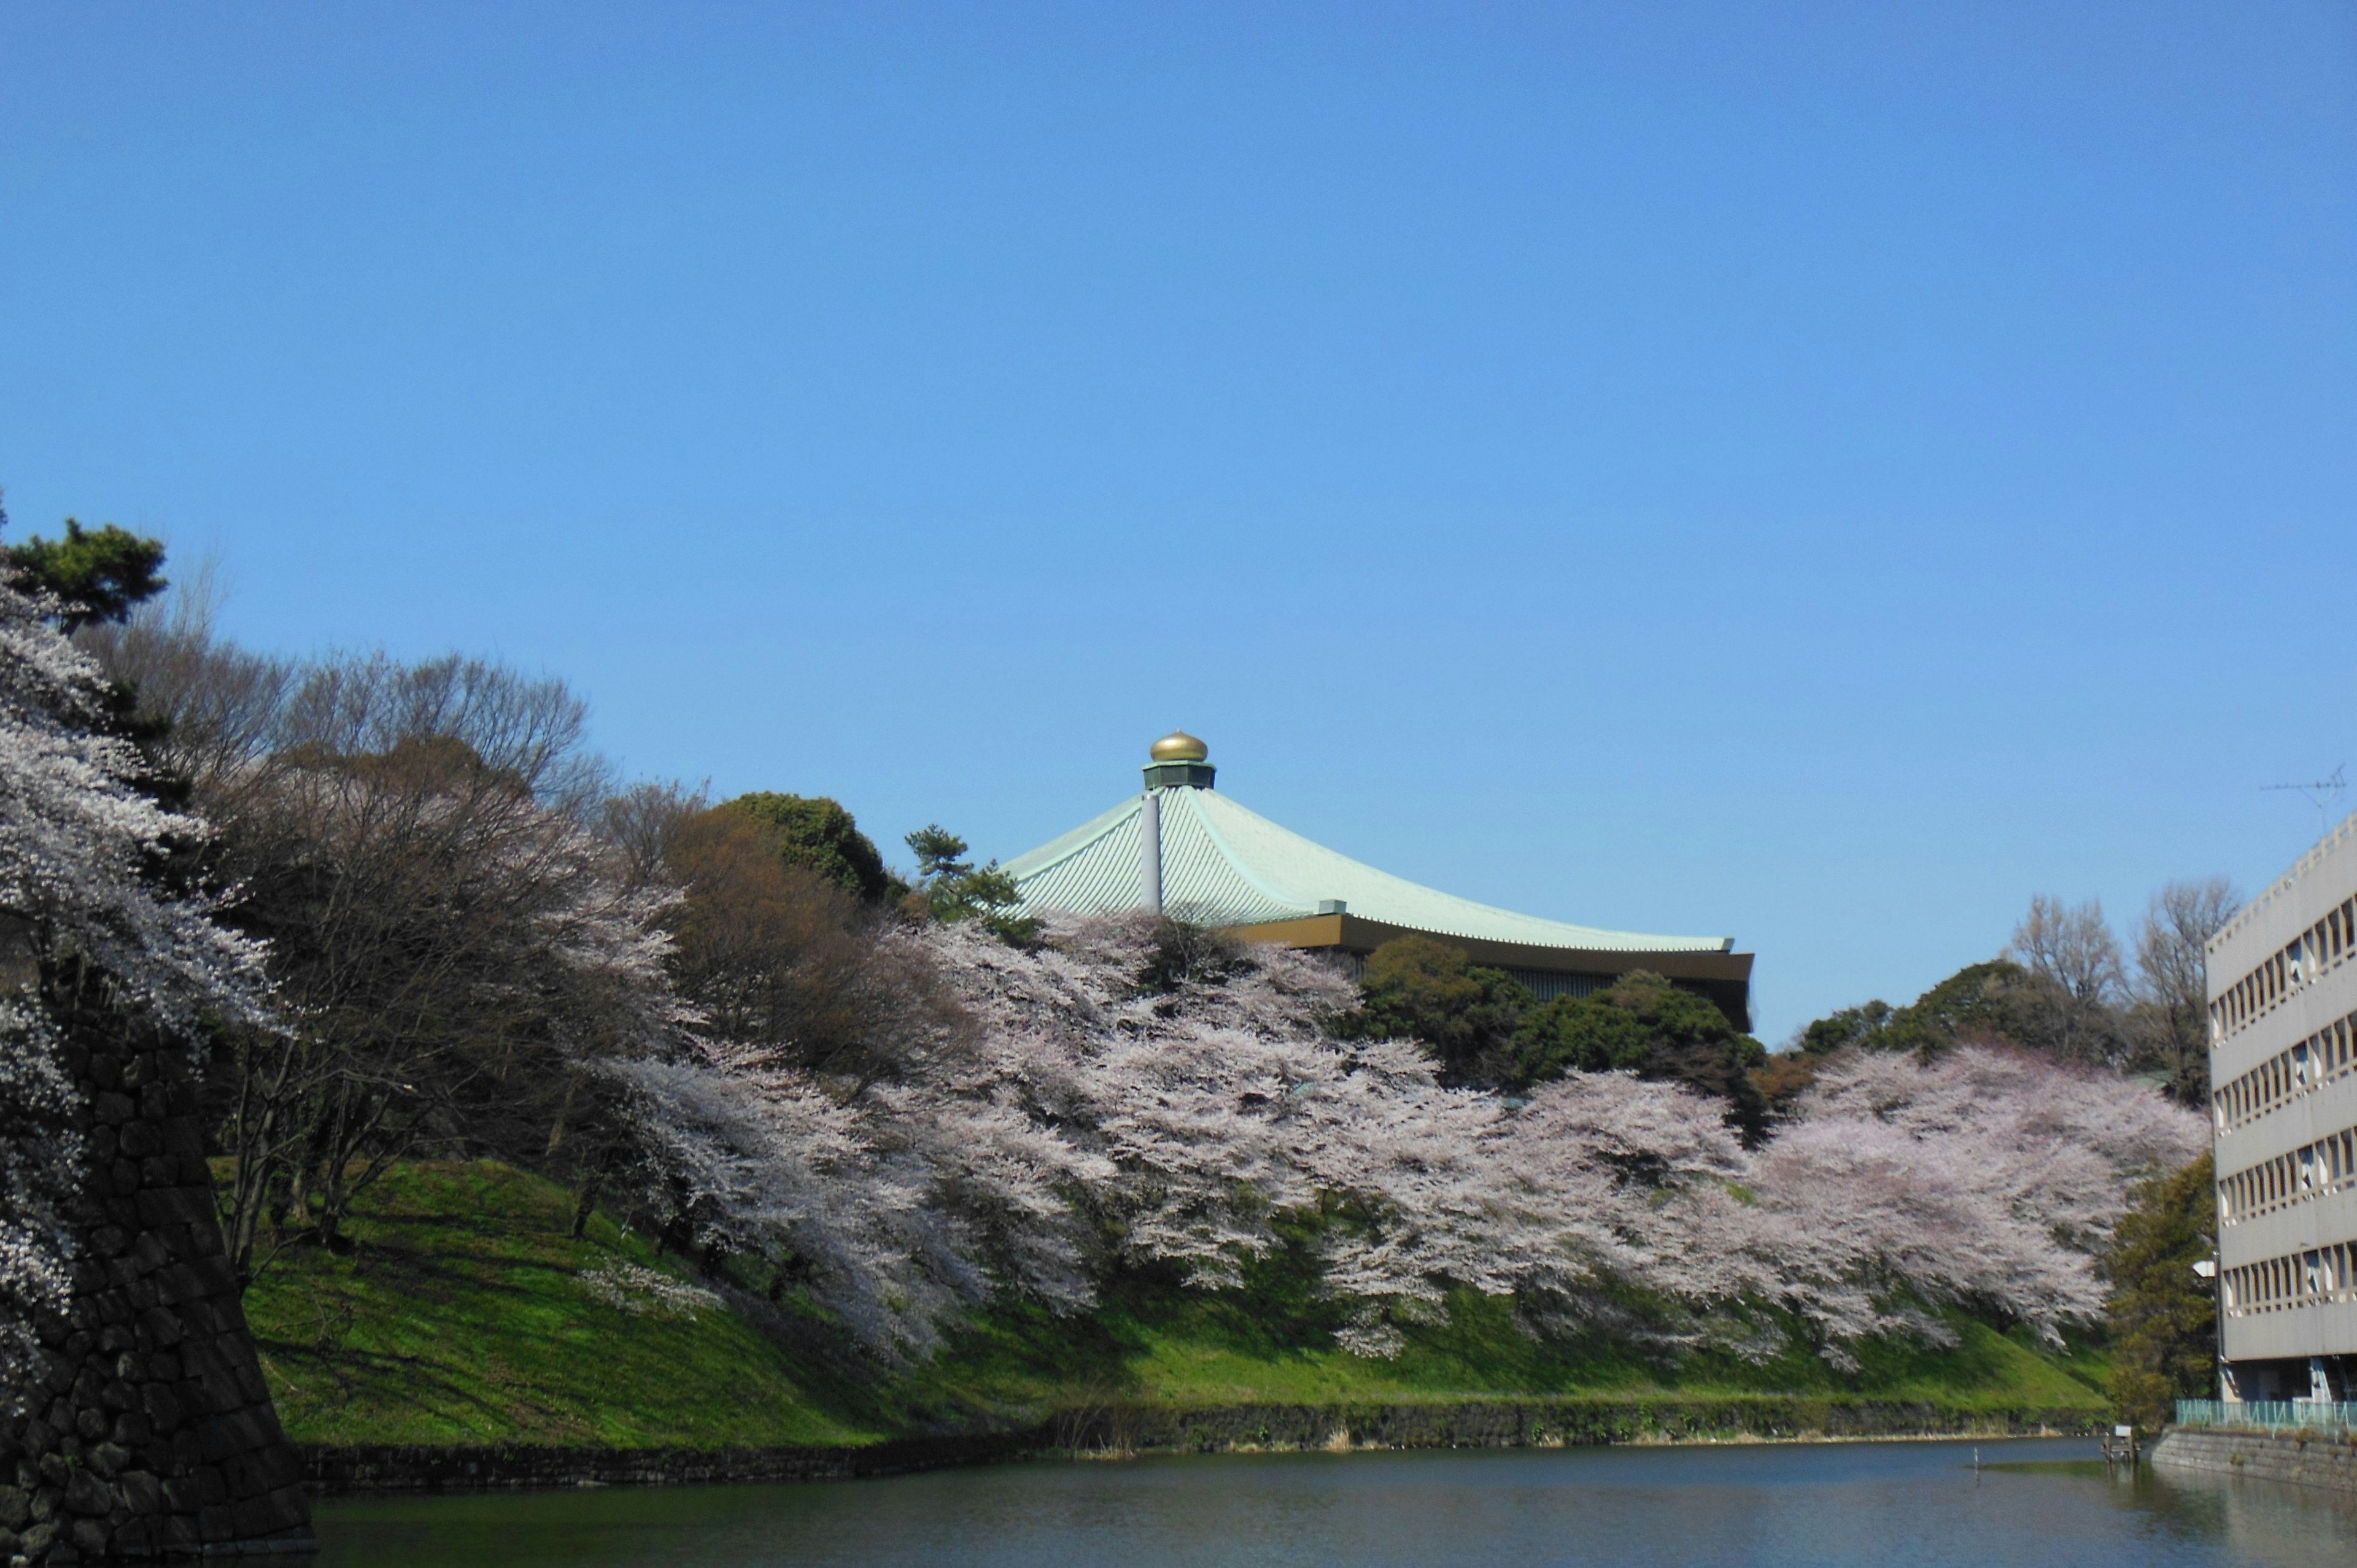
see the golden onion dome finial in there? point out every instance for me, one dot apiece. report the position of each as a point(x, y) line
point(1178, 747)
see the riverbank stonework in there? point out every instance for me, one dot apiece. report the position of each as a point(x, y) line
point(149, 1431)
point(1536, 1423)
point(389, 1467)
point(1117, 1430)
point(2307, 1460)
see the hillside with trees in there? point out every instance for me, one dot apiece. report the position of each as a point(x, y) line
point(882, 1136)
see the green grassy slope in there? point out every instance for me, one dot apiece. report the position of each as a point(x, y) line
point(461, 1317)
point(1151, 1344)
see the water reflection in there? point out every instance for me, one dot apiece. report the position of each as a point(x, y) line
point(1845, 1504)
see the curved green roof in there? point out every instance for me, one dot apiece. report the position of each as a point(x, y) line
point(1224, 866)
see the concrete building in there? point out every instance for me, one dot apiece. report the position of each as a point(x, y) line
point(2283, 1012)
point(1180, 847)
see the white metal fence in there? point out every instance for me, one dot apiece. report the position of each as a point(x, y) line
point(2270, 1415)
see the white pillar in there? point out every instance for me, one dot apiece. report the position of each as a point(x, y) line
point(1149, 849)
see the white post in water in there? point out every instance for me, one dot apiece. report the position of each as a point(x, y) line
point(1149, 849)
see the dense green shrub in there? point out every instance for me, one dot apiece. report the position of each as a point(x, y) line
point(816, 832)
point(1643, 1024)
point(1980, 1000)
point(1430, 991)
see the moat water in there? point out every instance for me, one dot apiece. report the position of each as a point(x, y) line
point(1839, 1505)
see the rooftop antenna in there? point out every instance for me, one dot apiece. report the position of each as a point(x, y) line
point(2334, 789)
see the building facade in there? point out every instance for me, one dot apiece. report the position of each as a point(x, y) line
point(2283, 1077)
point(1181, 848)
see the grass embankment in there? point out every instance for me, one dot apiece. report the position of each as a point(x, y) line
point(1158, 1347)
point(466, 1314)
point(463, 1316)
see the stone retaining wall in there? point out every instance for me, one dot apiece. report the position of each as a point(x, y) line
point(149, 1431)
point(1125, 1429)
point(2310, 1461)
point(389, 1467)
point(1540, 1422)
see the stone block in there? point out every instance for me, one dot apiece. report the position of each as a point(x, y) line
point(164, 1367)
point(109, 1240)
point(282, 1467)
point(102, 1145)
point(211, 1269)
point(136, 1537)
point(197, 1316)
point(159, 1170)
point(142, 1492)
point(133, 1429)
point(129, 1368)
point(87, 1495)
point(139, 1293)
point(110, 1459)
point(214, 1523)
point(212, 1490)
point(273, 1513)
point(112, 1109)
point(161, 1407)
point(126, 1176)
point(15, 1506)
point(245, 1476)
point(56, 1469)
point(137, 1140)
point(155, 1101)
point(179, 1537)
point(159, 1207)
point(118, 1395)
point(163, 1326)
point(149, 1252)
point(10, 1545)
point(37, 1540)
point(90, 1537)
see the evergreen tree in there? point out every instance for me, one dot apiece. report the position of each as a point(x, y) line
point(93, 576)
point(953, 888)
point(2164, 1317)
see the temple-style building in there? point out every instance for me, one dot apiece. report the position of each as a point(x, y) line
point(1180, 847)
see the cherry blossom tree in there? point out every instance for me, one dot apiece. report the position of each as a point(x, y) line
point(85, 915)
point(1986, 1179)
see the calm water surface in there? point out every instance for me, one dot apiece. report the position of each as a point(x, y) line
point(1851, 1505)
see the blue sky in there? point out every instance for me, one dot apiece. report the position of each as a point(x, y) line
point(1818, 473)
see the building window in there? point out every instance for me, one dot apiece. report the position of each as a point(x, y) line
point(2328, 1054)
